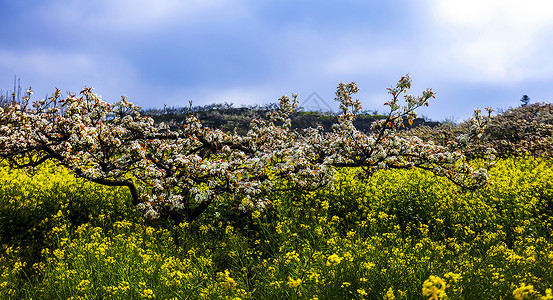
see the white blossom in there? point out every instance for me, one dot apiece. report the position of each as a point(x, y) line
point(178, 171)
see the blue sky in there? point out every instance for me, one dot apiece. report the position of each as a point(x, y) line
point(472, 53)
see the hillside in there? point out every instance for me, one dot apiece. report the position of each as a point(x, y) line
point(229, 118)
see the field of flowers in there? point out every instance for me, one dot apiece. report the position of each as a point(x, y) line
point(402, 235)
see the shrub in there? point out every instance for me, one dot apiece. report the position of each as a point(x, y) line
point(528, 128)
point(525, 129)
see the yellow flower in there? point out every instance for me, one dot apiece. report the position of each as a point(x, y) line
point(453, 276)
point(293, 283)
point(204, 229)
point(523, 291)
point(390, 294)
point(227, 281)
point(434, 287)
point(333, 260)
point(548, 295)
point(59, 253)
point(124, 286)
point(84, 285)
point(291, 256)
point(18, 266)
point(362, 292)
point(147, 293)
point(229, 229)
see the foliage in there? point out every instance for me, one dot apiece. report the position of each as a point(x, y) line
point(228, 118)
point(525, 100)
point(528, 128)
point(405, 234)
point(525, 129)
point(178, 174)
point(225, 116)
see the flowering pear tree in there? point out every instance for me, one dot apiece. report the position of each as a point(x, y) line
point(169, 174)
point(203, 163)
point(178, 174)
point(99, 142)
point(384, 148)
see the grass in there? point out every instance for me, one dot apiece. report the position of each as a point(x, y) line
point(402, 235)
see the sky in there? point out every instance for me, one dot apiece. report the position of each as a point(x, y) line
point(472, 53)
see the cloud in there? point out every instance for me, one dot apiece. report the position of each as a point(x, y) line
point(135, 16)
point(242, 95)
point(530, 15)
point(204, 95)
point(493, 41)
point(361, 60)
point(45, 62)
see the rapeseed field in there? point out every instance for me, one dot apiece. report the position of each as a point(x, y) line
point(401, 235)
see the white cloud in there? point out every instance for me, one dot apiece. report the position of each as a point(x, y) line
point(529, 15)
point(137, 15)
point(238, 95)
point(241, 95)
point(359, 61)
point(493, 41)
point(43, 63)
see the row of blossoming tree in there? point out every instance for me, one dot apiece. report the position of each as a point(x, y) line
point(177, 174)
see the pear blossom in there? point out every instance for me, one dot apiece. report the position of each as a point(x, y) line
point(178, 174)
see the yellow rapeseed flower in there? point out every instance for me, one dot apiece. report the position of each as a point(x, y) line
point(227, 281)
point(84, 285)
point(548, 295)
point(434, 287)
point(293, 283)
point(454, 276)
point(147, 293)
point(333, 260)
point(523, 291)
point(390, 294)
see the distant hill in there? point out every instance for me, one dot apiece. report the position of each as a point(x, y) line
point(229, 118)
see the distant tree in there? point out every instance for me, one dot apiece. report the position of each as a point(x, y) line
point(525, 100)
